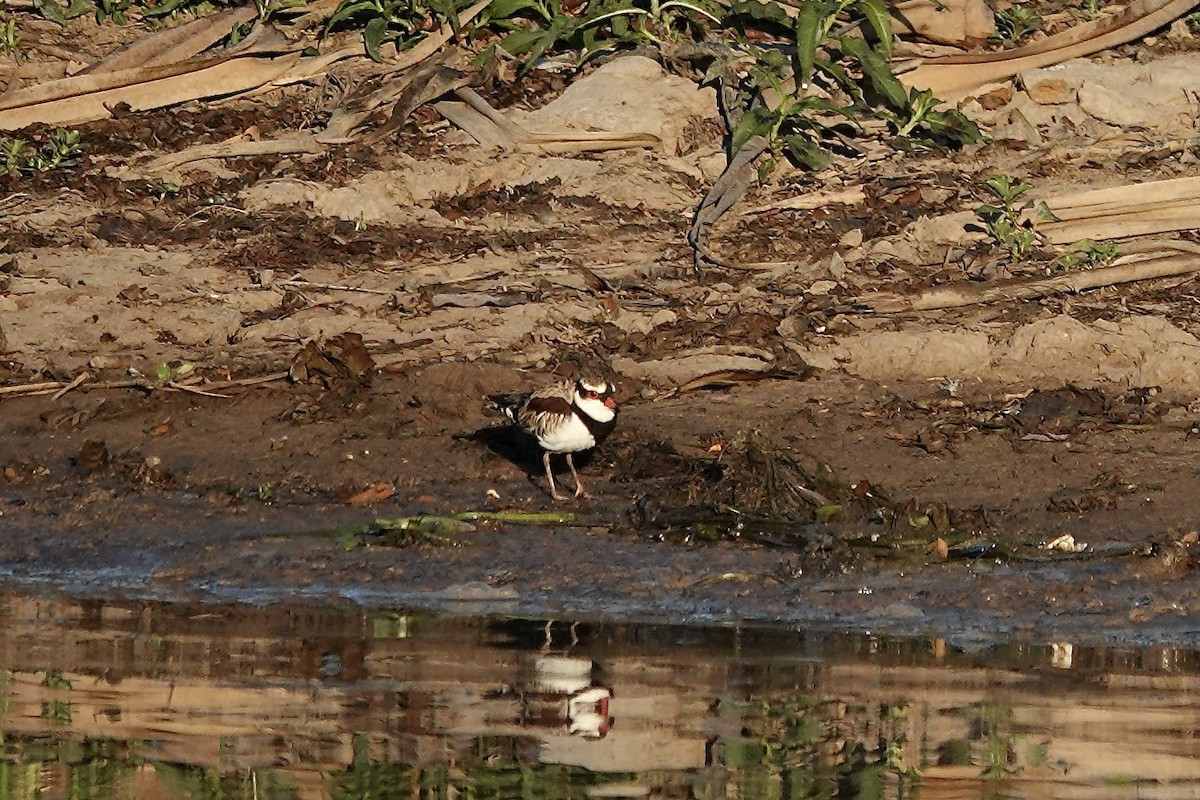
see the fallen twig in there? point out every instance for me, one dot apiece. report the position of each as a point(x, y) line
point(59, 388)
point(850, 195)
point(46, 387)
point(80, 378)
point(491, 128)
point(183, 387)
point(300, 143)
point(519, 517)
point(1138, 267)
point(332, 287)
point(726, 191)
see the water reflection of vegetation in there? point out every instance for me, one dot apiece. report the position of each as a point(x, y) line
point(495, 771)
point(801, 753)
point(793, 746)
point(94, 769)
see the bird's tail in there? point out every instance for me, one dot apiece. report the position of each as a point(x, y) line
point(506, 404)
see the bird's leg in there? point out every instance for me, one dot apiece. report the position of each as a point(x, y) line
point(550, 475)
point(579, 490)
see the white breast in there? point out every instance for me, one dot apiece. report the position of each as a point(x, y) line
point(569, 436)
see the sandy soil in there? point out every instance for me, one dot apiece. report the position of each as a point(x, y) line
point(950, 447)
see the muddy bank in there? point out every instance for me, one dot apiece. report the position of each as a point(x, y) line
point(199, 358)
point(938, 517)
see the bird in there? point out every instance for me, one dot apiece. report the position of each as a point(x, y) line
point(567, 417)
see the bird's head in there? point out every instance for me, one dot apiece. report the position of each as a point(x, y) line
point(595, 398)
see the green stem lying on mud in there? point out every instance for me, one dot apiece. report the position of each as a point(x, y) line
point(430, 528)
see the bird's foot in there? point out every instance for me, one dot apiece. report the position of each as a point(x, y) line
point(582, 493)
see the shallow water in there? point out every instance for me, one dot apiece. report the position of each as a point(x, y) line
point(154, 700)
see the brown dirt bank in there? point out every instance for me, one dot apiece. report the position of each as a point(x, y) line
point(188, 496)
point(782, 454)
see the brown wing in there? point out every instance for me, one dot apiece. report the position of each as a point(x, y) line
point(542, 413)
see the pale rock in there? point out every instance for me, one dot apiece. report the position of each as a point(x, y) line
point(903, 249)
point(837, 266)
point(663, 317)
point(1136, 351)
point(955, 22)
point(1018, 130)
point(946, 229)
point(1179, 32)
point(851, 238)
point(629, 95)
point(851, 256)
point(1045, 87)
point(792, 327)
point(633, 322)
point(1124, 92)
point(678, 371)
point(713, 165)
point(820, 288)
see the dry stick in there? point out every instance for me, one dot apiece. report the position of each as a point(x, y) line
point(51, 387)
point(80, 378)
point(561, 141)
point(303, 143)
point(725, 191)
point(273, 376)
point(183, 387)
point(300, 282)
point(1163, 266)
point(45, 388)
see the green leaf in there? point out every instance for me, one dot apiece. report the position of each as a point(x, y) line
point(347, 9)
point(50, 10)
point(162, 9)
point(955, 125)
point(806, 151)
point(756, 122)
point(163, 371)
point(373, 36)
point(878, 70)
point(808, 39)
point(880, 20)
point(77, 8)
point(503, 9)
point(839, 74)
point(1042, 213)
point(522, 41)
point(761, 12)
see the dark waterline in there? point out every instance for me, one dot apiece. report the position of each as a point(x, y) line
point(155, 700)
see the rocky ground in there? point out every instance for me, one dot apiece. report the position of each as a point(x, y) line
point(198, 358)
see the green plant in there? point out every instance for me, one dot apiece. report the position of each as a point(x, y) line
point(598, 26)
point(1086, 254)
point(1091, 8)
point(264, 493)
point(171, 372)
point(386, 20)
point(12, 155)
point(51, 10)
point(1006, 223)
point(63, 150)
point(836, 76)
point(10, 40)
point(1015, 23)
point(112, 9)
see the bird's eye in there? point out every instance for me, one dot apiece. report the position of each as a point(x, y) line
point(593, 395)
